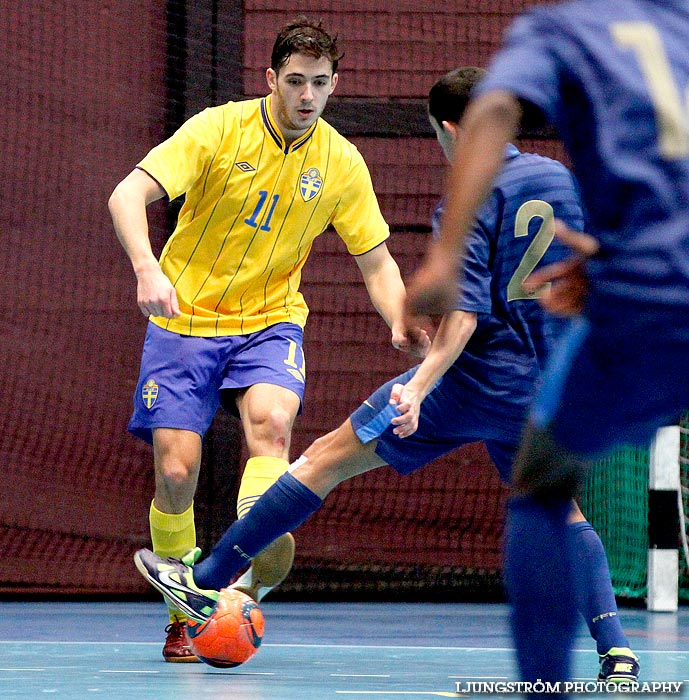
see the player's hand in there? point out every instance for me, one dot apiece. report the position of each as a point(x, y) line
point(408, 404)
point(433, 287)
point(412, 339)
point(568, 289)
point(155, 294)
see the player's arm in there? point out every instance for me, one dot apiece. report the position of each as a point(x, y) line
point(386, 289)
point(490, 122)
point(454, 331)
point(155, 294)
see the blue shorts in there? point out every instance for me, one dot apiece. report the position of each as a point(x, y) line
point(449, 418)
point(184, 379)
point(615, 380)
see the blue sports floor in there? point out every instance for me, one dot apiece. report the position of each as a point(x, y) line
point(311, 651)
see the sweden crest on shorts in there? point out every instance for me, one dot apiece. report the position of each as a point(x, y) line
point(149, 393)
point(310, 184)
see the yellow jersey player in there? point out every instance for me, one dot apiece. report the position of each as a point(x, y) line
point(261, 178)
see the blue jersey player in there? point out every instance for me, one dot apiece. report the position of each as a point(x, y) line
point(612, 77)
point(476, 382)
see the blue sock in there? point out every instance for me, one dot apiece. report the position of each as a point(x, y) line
point(595, 597)
point(282, 508)
point(539, 581)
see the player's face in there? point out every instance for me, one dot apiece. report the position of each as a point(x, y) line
point(300, 91)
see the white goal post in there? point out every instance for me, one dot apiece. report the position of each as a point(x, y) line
point(664, 516)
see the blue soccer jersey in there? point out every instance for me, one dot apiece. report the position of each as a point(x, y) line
point(513, 235)
point(614, 84)
point(486, 393)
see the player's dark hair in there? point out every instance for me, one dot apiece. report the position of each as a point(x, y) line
point(304, 36)
point(450, 95)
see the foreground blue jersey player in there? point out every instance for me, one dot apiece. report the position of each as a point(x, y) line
point(612, 77)
point(476, 382)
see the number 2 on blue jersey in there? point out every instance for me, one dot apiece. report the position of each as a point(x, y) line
point(535, 208)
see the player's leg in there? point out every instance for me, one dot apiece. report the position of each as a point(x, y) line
point(596, 599)
point(267, 413)
point(575, 394)
point(177, 457)
point(596, 602)
point(287, 503)
point(174, 403)
point(343, 453)
point(607, 384)
point(283, 507)
point(264, 386)
point(539, 562)
point(362, 443)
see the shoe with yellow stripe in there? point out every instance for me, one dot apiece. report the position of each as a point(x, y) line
point(619, 665)
point(174, 578)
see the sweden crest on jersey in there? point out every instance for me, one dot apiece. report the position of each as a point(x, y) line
point(310, 184)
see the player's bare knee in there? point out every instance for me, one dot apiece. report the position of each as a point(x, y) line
point(176, 483)
point(178, 475)
point(273, 425)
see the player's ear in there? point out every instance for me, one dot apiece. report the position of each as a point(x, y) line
point(272, 79)
point(451, 129)
point(333, 83)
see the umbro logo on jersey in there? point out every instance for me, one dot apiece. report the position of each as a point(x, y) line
point(245, 167)
point(310, 184)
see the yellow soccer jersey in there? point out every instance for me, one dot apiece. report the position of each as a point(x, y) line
point(252, 210)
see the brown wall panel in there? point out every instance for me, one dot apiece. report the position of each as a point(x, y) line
point(408, 176)
point(389, 51)
point(83, 100)
point(446, 518)
point(386, 54)
point(84, 90)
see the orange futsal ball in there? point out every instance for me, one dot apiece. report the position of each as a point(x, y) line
point(232, 634)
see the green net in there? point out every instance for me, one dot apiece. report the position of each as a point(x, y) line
point(615, 501)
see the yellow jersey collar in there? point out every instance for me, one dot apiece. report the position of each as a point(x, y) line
point(276, 134)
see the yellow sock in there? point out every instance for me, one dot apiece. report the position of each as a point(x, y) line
point(172, 535)
point(260, 473)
